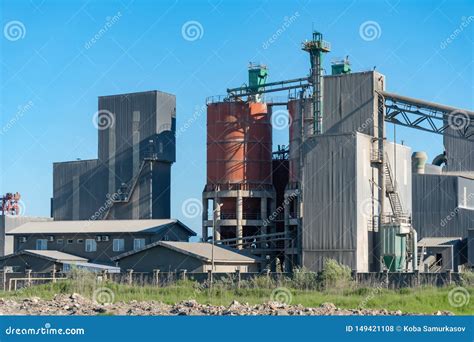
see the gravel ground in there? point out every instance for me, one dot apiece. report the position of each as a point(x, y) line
point(77, 305)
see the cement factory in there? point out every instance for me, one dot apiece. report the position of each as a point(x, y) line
point(338, 190)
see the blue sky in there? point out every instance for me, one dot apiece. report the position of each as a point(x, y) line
point(51, 73)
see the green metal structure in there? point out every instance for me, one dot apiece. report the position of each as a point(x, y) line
point(341, 67)
point(316, 48)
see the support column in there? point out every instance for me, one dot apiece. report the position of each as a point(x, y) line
point(239, 215)
point(205, 216)
point(217, 219)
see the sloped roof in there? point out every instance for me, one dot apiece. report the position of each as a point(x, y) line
point(438, 241)
point(200, 250)
point(52, 255)
point(98, 226)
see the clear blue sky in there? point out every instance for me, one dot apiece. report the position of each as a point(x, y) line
point(50, 68)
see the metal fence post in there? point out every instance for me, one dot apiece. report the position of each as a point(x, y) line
point(448, 277)
point(28, 275)
point(156, 277)
point(237, 273)
point(53, 273)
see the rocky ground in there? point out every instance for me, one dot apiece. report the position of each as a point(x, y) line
point(77, 305)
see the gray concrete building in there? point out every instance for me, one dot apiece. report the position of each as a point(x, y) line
point(132, 175)
point(97, 241)
point(169, 256)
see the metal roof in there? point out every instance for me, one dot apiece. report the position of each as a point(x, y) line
point(98, 226)
point(200, 250)
point(438, 241)
point(96, 267)
point(52, 255)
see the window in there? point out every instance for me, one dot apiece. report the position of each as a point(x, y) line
point(69, 241)
point(41, 244)
point(59, 241)
point(119, 245)
point(138, 244)
point(80, 241)
point(91, 245)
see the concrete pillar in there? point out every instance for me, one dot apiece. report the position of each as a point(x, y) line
point(205, 208)
point(287, 243)
point(130, 276)
point(217, 219)
point(239, 213)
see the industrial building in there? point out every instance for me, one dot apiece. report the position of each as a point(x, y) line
point(43, 261)
point(98, 241)
point(346, 192)
point(167, 256)
point(131, 177)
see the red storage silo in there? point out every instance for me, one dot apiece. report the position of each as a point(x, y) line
point(239, 144)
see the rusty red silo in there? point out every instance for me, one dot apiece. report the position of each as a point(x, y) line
point(239, 144)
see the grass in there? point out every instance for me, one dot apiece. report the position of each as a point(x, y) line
point(408, 300)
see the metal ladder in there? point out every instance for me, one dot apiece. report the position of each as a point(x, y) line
point(391, 190)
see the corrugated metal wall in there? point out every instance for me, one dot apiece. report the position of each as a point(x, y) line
point(330, 203)
point(78, 189)
point(349, 102)
point(438, 205)
point(459, 151)
point(135, 125)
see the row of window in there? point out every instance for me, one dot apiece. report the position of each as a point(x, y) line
point(118, 245)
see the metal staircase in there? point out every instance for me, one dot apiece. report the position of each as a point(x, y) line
point(126, 190)
point(391, 191)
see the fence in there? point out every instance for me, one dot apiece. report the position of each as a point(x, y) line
point(11, 281)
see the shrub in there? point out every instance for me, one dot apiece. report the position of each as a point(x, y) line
point(467, 278)
point(335, 276)
point(304, 279)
